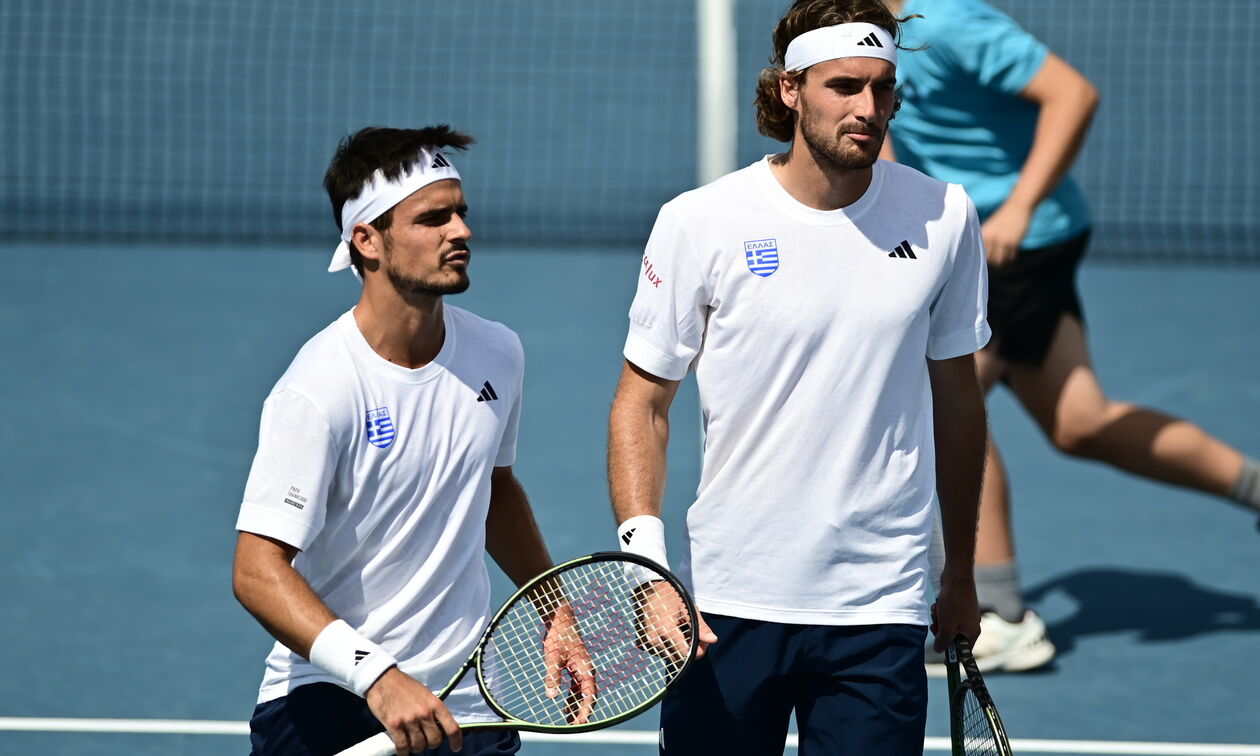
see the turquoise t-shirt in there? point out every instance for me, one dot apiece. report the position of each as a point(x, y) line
point(962, 119)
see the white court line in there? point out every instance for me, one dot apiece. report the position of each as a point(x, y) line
point(134, 726)
point(616, 737)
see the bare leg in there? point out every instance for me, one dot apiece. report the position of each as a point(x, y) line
point(995, 542)
point(1064, 397)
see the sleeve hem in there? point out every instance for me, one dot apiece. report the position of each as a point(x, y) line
point(958, 343)
point(1017, 84)
point(653, 360)
point(264, 521)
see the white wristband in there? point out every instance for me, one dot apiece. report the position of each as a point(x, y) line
point(346, 655)
point(644, 535)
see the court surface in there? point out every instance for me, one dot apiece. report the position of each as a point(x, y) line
point(128, 416)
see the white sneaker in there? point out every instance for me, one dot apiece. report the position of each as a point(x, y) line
point(1004, 646)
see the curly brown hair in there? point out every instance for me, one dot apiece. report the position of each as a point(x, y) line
point(776, 120)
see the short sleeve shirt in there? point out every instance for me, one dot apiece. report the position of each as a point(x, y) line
point(380, 475)
point(962, 119)
point(809, 333)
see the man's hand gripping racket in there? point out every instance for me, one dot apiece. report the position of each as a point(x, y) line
point(586, 645)
point(975, 727)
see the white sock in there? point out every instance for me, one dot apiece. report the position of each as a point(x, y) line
point(1246, 490)
point(997, 587)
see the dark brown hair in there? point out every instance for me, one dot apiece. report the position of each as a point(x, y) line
point(391, 151)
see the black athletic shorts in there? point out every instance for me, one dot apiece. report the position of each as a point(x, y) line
point(1028, 296)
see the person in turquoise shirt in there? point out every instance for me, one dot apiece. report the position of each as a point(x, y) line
point(989, 106)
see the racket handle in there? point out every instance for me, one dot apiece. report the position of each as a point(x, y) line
point(377, 745)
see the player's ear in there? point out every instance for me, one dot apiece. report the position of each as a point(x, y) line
point(369, 242)
point(790, 89)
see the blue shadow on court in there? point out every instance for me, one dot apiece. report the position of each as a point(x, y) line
point(1154, 606)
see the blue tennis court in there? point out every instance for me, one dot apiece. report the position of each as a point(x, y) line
point(165, 242)
point(130, 401)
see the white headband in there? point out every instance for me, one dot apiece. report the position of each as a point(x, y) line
point(840, 41)
point(381, 194)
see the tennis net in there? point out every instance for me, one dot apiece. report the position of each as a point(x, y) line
point(192, 119)
point(216, 119)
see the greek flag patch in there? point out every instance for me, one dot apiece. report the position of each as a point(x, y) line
point(380, 429)
point(762, 256)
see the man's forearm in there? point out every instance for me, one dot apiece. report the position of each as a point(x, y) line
point(1060, 134)
point(961, 433)
point(1067, 101)
point(638, 436)
point(512, 535)
point(636, 467)
point(959, 473)
point(270, 589)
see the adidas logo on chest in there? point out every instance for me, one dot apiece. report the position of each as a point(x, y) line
point(904, 251)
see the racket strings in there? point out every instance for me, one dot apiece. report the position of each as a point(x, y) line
point(979, 738)
point(614, 613)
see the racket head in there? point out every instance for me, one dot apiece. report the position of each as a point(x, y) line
point(976, 726)
point(634, 619)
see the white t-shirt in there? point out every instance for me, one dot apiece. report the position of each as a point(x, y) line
point(809, 332)
point(380, 475)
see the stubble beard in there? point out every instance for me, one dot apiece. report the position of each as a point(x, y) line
point(827, 148)
point(435, 285)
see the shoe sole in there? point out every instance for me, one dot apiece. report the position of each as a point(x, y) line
point(1023, 659)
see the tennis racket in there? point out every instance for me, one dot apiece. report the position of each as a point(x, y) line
point(974, 725)
point(633, 618)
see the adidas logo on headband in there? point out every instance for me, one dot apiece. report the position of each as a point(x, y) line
point(856, 40)
point(380, 194)
point(870, 41)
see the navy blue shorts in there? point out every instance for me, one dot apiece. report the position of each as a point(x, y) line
point(856, 690)
point(322, 719)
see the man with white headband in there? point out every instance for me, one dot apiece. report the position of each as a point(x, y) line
point(830, 305)
point(383, 474)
